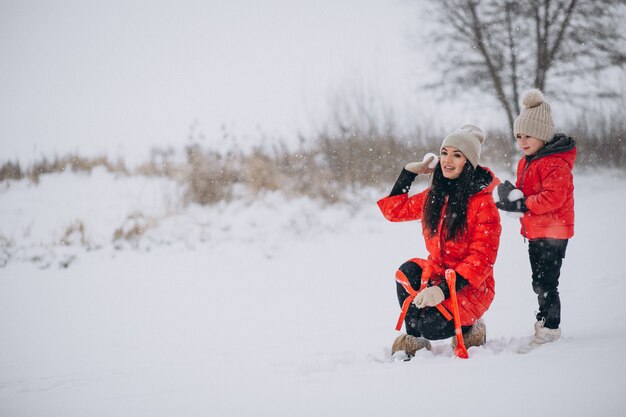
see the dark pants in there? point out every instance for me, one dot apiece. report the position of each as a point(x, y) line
point(546, 257)
point(426, 322)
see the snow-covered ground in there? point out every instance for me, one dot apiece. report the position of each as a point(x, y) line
point(279, 307)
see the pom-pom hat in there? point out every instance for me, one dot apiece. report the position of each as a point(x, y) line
point(535, 120)
point(468, 140)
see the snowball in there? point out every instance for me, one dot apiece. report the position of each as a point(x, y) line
point(434, 162)
point(496, 196)
point(515, 195)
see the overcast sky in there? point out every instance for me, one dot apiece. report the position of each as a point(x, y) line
point(121, 76)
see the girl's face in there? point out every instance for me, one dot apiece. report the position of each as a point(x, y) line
point(452, 162)
point(528, 144)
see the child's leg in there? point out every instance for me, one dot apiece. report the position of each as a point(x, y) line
point(546, 258)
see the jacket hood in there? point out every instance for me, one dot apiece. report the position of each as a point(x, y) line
point(484, 180)
point(561, 145)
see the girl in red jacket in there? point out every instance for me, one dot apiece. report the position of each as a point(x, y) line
point(546, 201)
point(461, 229)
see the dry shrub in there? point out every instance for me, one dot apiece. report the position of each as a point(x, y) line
point(11, 171)
point(365, 160)
point(374, 158)
point(499, 150)
point(74, 234)
point(75, 163)
point(133, 228)
point(339, 160)
point(304, 176)
point(210, 176)
point(262, 173)
point(600, 140)
point(160, 164)
point(78, 164)
point(6, 248)
point(361, 144)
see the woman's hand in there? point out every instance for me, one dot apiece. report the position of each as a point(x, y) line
point(427, 166)
point(429, 297)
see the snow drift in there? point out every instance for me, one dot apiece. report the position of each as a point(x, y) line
point(279, 307)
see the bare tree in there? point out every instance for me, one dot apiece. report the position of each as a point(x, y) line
point(504, 47)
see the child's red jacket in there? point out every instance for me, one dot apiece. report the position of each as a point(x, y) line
point(547, 182)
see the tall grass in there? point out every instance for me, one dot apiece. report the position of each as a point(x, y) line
point(72, 162)
point(601, 142)
point(328, 166)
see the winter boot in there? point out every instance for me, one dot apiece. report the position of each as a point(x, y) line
point(542, 335)
point(409, 344)
point(476, 336)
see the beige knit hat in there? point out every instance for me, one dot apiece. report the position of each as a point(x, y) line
point(535, 119)
point(468, 140)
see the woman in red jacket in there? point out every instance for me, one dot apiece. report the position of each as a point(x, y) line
point(461, 229)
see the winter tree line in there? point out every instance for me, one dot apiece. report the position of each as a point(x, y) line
point(497, 48)
point(504, 47)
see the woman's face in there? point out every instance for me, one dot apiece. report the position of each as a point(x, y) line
point(452, 162)
point(528, 144)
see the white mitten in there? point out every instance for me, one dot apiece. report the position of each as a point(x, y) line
point(429, 297)
point(427, 166)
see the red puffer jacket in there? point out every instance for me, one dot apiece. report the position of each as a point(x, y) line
point(472, 256)
point(546, 181)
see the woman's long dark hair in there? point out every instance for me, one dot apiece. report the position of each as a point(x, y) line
point(458, 192)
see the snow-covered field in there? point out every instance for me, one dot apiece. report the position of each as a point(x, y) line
point(279, 308)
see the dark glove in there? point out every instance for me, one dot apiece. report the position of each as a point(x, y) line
point(510, 198)
point(518, 206)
